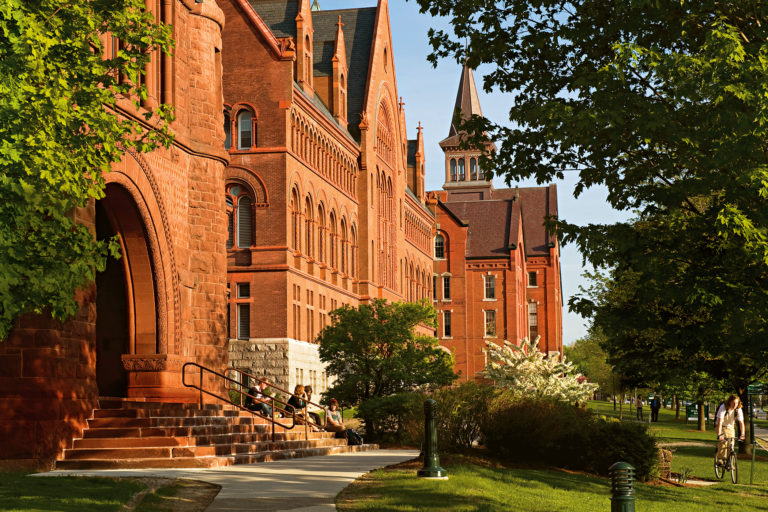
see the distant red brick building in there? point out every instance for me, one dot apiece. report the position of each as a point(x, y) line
point(497, 270)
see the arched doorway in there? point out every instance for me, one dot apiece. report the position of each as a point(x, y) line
point(126, 304)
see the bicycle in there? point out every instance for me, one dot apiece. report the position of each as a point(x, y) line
point(730, 464)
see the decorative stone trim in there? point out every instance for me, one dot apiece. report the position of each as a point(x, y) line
point(152, 362)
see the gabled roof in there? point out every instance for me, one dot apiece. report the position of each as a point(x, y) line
point(493, 226)
point(537, 203)
point(358, 38)
point(279, 15)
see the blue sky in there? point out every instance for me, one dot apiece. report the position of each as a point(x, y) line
point(429, 94)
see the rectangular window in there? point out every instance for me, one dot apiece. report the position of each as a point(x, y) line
point(532, 280)
point(243, 321)
point(434, 287)
point(446, 324)
point(490, 287)
point(490, 323)
point(446, 287)
point(243, 290)
point(533, 320)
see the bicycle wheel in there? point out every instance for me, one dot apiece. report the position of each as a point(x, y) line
point(719, 469)
point(734, 463)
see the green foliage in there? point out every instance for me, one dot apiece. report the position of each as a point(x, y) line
point(397, 419)
point(373, 352)
point(460, 412)
point(590, 359)
point(666, 105)
point(59, 132)
point(550, 433)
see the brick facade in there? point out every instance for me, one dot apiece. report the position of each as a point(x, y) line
point(160, 305)
point(496, 271)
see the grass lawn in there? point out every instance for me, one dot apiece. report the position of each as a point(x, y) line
point(479, 485)
point(22, 493)
point(19, 492)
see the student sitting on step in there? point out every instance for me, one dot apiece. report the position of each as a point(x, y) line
point(313, 416)
point(256, 400)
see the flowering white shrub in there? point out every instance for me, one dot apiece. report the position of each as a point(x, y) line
point(529, 374)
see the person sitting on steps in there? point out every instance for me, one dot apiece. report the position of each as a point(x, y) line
point(296, 406)
point(313, 416)
point(256, 400)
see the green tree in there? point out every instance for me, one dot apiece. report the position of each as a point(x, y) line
point(374, 351)
point(59, 131)
point(666, 105)
point(591, 360)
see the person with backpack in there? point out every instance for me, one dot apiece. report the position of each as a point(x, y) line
point(335, 423)
point(728, 414)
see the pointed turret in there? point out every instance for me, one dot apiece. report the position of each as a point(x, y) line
point(315, 6)
point(467, 101)
point(340, 73)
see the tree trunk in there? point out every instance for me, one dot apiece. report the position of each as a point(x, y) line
point(621, 406)
point(677, 408)
point(702, 419)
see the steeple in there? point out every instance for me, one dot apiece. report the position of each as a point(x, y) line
point(467, 101)
point(463, 176)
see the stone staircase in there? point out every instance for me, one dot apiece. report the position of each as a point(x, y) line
point(125, 433)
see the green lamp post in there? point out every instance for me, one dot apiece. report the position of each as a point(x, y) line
point(431, 467)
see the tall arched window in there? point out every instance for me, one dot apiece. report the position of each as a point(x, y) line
point(353, 261)
point(308, 228)
point(344, 243)
point(239, 217)
point(227, 129)
point(473, 169)
point(453, 169)
point(320, 233)
point(244, 130)
point(334, 236)
point(440, 247)
point(295, 226)
point(461, 170)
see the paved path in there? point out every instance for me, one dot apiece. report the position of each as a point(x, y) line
point(300, 485)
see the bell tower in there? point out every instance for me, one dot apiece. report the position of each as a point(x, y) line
point(463, 176)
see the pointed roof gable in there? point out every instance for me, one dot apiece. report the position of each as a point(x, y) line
point(537, 203)
point(486, 238)
point(467, 101)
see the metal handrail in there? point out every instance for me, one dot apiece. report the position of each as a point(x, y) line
point(202, 391)
point(307, 421)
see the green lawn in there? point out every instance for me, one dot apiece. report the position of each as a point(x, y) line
point(482, 486)
point(19, 492)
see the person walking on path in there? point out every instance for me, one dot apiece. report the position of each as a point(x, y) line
point(639, 406)
point(725, 421)
point(655, 406)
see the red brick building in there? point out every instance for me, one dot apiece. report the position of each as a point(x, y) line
point(325, 192)
point(496, 270)
point(164, 302)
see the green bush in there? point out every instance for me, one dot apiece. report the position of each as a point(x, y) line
point(460, 411)
point(561, 435)
point(394, 418)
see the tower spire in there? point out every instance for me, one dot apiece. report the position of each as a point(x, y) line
point(467, 101)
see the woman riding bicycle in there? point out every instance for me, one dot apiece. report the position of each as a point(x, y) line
point(725, 419)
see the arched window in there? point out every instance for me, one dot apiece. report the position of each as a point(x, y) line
point(440, 247)
point(453, 169)
point(353, 262)
point(461, 169)
point(320, 233)
point(473, 169)
point(344, 243)
point(334, 236)
point(244, 130)
point(227, 129)
point(308, 228)
point(295, 226)
point(239, 217)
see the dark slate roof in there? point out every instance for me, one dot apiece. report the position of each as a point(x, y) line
point(358, 30)
point(537, 203)
point(493, 225)
point(413, 147)
point(279, 15)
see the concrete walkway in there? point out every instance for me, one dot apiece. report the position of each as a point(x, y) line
point(300, 485)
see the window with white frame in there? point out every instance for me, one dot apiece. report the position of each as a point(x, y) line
point(533, 320)
point(446, 287)
point(490, 323)
point(447, 324)
point(440, 247)
point(490, 287)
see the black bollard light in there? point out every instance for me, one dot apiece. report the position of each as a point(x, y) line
point(622, 495)
point(431, 467)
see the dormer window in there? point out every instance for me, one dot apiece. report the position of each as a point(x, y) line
point(244, 130)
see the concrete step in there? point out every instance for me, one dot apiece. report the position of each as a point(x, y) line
point(209, 461)
point(199, 440)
